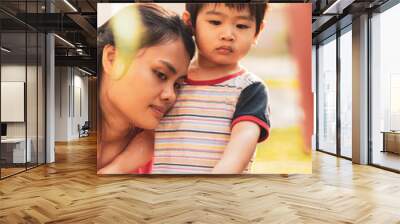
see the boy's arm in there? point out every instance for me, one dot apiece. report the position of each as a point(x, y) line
point(137, 154)
point(240, 149)
point(250, 125)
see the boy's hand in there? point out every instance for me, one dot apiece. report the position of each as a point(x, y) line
point(240, 149)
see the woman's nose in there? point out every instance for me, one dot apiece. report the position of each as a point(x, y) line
point(168, 94)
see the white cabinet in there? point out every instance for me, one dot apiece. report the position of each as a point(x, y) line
point(17, 146)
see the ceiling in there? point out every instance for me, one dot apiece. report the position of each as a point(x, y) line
point(332, 15)
point(75, 21)
point(76, 25)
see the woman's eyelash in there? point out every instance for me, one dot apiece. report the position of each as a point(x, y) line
point(160, 75)
point(177, 85)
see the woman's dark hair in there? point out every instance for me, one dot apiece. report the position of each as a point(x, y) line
point(160, 26)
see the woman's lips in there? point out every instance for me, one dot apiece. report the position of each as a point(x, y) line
point(159, 111)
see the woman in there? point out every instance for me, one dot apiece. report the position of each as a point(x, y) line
point(132, 105)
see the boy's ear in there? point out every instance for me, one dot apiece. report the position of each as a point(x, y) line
point(186, 19)
point(262, 26)
point(108, 58)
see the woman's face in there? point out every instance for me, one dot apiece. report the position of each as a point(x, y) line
point(149, 88)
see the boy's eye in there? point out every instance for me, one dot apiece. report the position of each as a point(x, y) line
point(160, 75)
point(214, 22)
point(242, 26)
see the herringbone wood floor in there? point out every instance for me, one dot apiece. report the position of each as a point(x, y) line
point(69, 191)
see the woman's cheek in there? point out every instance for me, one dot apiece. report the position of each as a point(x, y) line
point(146, 86)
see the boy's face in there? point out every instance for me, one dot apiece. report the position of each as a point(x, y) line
point(224, 35)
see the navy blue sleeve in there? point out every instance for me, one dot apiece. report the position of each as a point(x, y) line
point(253, 106)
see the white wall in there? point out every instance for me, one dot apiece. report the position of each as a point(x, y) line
point(71, 94)
point(12, 73)
point(33, 126)
point(61, 103)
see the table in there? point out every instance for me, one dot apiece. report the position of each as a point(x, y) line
point(391, 141)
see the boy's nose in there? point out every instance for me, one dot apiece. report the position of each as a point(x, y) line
point(228, 34)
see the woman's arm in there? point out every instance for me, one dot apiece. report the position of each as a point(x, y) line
point(137, 154)
point(240, 149)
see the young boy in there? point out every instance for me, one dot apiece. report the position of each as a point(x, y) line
point(222, 110)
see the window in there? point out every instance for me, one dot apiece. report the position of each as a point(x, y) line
point(22, 78)
point(327, 96)
point(385, 88)
point(346, 93)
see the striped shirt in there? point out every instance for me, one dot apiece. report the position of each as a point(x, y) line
point(193, 135)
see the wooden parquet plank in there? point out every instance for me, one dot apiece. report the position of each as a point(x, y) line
point(69, 191)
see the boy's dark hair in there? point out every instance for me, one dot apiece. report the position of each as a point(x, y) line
point(257, 9)
point(160, 26)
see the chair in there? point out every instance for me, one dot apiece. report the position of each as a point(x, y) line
point(84, 130)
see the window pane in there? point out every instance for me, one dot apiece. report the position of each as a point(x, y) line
point(386, 89)
point(41, 98)
point(31, 97)
point(14, 153)
point(346, 94)
point(327, 97)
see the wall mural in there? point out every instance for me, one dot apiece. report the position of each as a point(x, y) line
point(216, 88)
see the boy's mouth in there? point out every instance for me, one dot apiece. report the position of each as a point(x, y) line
point(224, 50)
